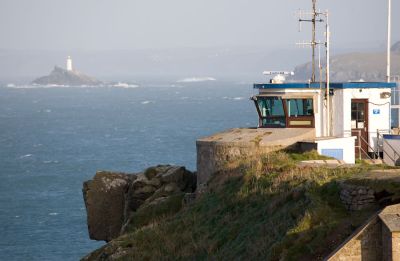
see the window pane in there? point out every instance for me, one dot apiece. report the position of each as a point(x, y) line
point(278, 122)
point(272, 112)
point(271, 106)
point(299, 107)
point(354, 115)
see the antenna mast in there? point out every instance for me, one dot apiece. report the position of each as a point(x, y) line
point(314, 17)
point(389, 40)
point(314, 14)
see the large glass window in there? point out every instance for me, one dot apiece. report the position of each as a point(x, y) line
point(272, 112)
point(276, 112)
point(299, 107)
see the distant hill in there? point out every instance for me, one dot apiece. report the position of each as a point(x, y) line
point(60, 76)
point(356, 66)
point(396, 48)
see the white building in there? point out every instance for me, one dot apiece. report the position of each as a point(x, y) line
point(358, 112)
point(69, 64)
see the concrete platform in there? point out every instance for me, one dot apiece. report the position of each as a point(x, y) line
point(259, 137)
point(215, 151)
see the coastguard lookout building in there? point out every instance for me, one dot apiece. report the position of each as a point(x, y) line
point(358, 114)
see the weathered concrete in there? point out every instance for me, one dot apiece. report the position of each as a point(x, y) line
point(378, 239)
point(214, 152)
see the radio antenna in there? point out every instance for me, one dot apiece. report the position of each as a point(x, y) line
point(321, 17)
point(312, 17)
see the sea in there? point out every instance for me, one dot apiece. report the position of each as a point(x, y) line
point(54, 139)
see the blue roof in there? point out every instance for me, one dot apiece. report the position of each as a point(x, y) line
point(334, 85)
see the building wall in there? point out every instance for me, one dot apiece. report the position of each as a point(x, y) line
point(342, 111)
point(344, 144)
point(338, 106)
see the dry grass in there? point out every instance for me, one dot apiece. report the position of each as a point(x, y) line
point(262, 208)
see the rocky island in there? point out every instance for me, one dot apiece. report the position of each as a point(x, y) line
point(67, 77)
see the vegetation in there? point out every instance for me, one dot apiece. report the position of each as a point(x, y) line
point(264, 208)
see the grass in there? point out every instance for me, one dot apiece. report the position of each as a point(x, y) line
point(263, 208)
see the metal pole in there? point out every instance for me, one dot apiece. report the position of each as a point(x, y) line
point(313, 43)
point(328, 124)
point(389, 39)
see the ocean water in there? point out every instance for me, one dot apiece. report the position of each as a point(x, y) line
point(53, 139)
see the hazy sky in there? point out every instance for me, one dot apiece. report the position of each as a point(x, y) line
point(137, 24)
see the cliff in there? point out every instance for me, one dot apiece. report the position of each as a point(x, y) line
point(266, 207)
point(119, 202)
point(60, 76)
point(356, 66)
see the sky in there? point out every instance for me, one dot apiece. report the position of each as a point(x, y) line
point(163, 24)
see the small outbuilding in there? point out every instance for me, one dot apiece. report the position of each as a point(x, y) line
point(348, 122)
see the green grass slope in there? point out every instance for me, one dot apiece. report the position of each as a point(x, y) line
point(262, 209)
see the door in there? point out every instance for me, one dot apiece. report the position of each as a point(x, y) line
point(359, 125)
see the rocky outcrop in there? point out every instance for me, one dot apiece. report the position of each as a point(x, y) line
point(105, 203)
point(62, 77)
point(112, 199)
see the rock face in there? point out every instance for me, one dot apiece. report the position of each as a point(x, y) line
point(105, 203)
point(112, 198)
point(60, 76)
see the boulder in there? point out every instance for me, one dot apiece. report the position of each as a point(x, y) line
point(104, 198)
point(181, 177)
point(111, 199)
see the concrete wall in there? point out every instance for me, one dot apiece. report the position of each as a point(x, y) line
point(213, 157)
point(341, 101)
point(214, 153)
point(346, 144)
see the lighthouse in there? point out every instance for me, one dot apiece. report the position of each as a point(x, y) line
point(69, 64)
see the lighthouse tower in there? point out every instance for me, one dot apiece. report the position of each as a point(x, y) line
point(69, 64)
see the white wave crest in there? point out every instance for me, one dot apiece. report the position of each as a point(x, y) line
point(25, 156)
point(125, 85)
point(197, 79)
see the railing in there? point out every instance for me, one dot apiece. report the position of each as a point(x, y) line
point(396, 155)
point(360, 149)
point(373, 152)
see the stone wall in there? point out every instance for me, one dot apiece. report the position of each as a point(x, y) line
point(396, 246)
point(365, 245)
point(378, 239)
point(356, 197)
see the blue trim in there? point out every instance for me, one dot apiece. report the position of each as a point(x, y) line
point(336, 85)
point(391, 137)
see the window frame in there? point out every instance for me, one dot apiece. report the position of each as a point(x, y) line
point(289, 120)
